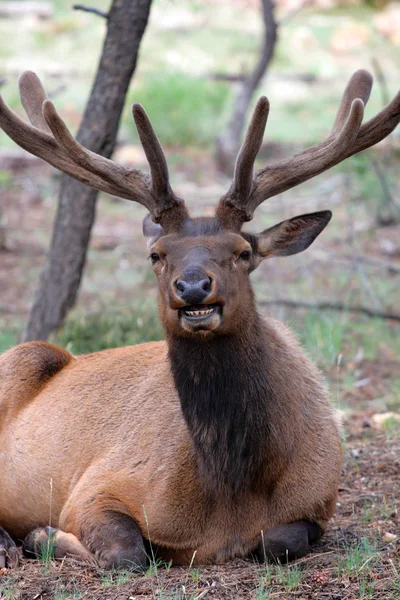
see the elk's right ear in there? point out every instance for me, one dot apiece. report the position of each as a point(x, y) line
point(151, 231)
point(291, 236)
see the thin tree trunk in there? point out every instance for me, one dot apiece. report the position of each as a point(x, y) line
point(228, 143)
point(66, 259)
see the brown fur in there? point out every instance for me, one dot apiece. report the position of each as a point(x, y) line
point(113, 433)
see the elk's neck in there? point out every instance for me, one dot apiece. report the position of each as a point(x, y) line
point(227, 401)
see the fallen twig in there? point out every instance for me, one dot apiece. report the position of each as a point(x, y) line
point(339, 306)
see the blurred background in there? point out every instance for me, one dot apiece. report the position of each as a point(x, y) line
point(192, 60)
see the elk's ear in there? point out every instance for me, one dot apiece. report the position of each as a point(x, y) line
point(151, 231)
point(291, 236)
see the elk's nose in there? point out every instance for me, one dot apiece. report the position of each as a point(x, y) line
point(193, 286)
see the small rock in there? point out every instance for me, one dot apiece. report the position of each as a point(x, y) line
point(355, 452)
point(389, 537)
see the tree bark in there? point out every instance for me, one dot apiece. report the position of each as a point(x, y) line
point(61, 277)
point(228, 143)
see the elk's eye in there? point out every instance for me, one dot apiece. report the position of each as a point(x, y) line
point(245, 255)
point(154, 257)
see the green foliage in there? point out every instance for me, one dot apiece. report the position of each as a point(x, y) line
point(5, 179)
point(365, 171)
point(63, 592)
point(184, 110)
point(116, 577)
point(8, 339)
point(289, 576)
point(88, 333)
point(47, 550)
point(322, 334)
point(8, 588)
point(356, 559)
point(392, 427)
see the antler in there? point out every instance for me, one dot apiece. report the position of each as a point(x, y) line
point(49, 138)
point(347, 137)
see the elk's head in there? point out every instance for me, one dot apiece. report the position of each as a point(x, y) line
point(203, 268)
point(203, 264)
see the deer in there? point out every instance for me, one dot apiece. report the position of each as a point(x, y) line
point(218, 442)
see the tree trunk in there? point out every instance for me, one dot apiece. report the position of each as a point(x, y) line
point(228, 143)
point(66, 258)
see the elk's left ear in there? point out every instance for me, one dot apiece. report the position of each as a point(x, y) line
point(151, 231)
point(291, 236)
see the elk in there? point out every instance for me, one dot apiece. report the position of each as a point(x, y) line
point(218, 442)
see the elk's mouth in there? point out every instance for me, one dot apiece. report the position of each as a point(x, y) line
point(201, 316)
point(198, 312)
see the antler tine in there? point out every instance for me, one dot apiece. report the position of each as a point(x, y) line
point(243, 174)
point(359, 86)
point(154, 153)
point(348, 137)
point(377, 128)
point(32, 96)
point(94, 164)
point(62, 151)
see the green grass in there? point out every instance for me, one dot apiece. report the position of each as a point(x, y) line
point(65, 593)
point(392, 427)
point(357, 560)
point(366, 589)
point(8, 587)
point(47, 551)
point(382, 509)
point(184, 110)
point(326, 335)
point(8, 339)
point(393, 402)
point(116, 578)
point(322, 335)
point(287, 576)
point(85, 333)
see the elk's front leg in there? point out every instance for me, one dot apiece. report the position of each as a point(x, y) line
point(8, 550)
point(112, 541)
point(115, 540)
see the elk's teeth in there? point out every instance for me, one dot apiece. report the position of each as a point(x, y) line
point(199, 313)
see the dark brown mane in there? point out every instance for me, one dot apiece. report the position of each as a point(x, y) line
point(230, 406)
